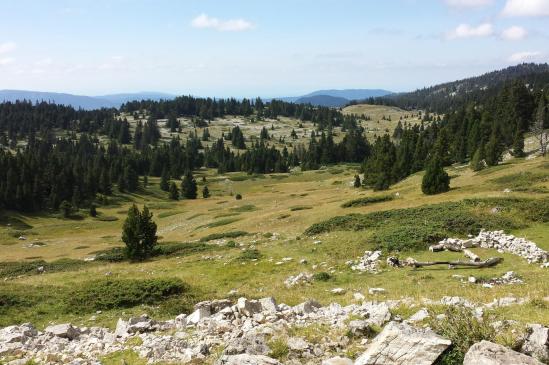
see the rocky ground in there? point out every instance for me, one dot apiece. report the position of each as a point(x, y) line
point(256, 331)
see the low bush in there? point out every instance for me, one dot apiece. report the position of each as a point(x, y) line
point(416, 228)
point(244, 208)
point(250, 254)
point(300, 207)
point(322, 276)
point(13, 269)
point(217, 236)
point(463, 329)
point(360, 202)
point(122, 293)
point(218, 223)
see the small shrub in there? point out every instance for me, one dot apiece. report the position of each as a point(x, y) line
point(279, 348)
point(463, 329)
point(300, 207)
point(238, 196)
point(216, 236)
point(360, 202)
point(322, 276)
point(122, 293)
point(221, 222)
point(244, 208)
point(250, 254)
point(231, 244)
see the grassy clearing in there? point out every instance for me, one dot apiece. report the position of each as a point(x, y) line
point(214, 270)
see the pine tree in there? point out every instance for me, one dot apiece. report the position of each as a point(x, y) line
point(357, 182)
point(492, 150)
point(188, 186)
point(93, 210)
point(518, 144)
point(139, 234)
point(477, 162)
point(205, 192)
point(66, 208)
point(435, 180)
point(174, 191)
point(165, 180)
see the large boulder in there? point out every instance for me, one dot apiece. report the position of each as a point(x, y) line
point(198, 315)
point(400, 344)
point(245, 359)
point(537, 342)
point(337, 361)
point(65, 330)
point(13, 334)
point(489, 353)
point(248, 307)
point(307, 307)
point(377, 313)
point(251, 344)
point(268, 305)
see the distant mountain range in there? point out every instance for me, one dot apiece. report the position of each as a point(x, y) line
point(80, 101)
point(329, 98)
point(335, 98)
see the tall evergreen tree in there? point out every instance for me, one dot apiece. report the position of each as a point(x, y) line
point(435, 180)
point(139, 233)
point(188, 186)
point(174, 192)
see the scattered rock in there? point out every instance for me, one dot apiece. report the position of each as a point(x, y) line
point(537, 342)
point(489, 353)
point(373, 291)
point(338, 361)
point(369, 262)
point(245, 359)
point(400, 344)
point(419, 316)
point(338, 291)
point(65, 330)
point(301, 278)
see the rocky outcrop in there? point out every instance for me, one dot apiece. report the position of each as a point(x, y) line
point(489, 353)
point(369, 262)
point(401, 344)
point(503, 243)
point(246, 359)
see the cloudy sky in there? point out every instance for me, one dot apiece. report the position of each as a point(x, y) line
point(260, 47)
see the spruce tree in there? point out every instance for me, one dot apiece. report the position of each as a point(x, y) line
point(205, 192)
point(435, 180)
point(139, 234)
point(165, 180)
point(93, 210)
point(477, 162)
point(188, 186)
point(357, 182)
point(174, 191)
point(66, 208)
point(518, 144)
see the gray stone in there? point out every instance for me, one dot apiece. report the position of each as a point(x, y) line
point(251, 344)
point(359, 328)
point(248, 307)
point(537, 342)
point(307, 307)
point(245, 359)
point(419, 316)
point(13, 334)
point(297, 344)
point(198, 315)
point(268, 305)
point(400, 344)
point(65, 330)
point(338, 361)
point(489, 353)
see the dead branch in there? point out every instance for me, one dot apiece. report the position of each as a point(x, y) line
point(471, 255)
point(493, 261)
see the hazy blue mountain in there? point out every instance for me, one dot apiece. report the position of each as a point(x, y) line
point(76, 101)
point(119, 99)
point(323, 100)
point(335, 98)
point(352, 94)
point(80, 101)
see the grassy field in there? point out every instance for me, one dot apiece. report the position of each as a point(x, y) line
point(215, 236)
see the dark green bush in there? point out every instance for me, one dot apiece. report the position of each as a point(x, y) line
point(122, 293)
point(216, 236)
point(12, 269)
point(416, 228)
point(250, 254)
point(322, 276)
point(360, 202)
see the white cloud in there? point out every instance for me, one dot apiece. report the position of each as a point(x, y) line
point(468, 31)
point(526, 8)
point(232, 25)
point(468, 3)
point(6, 61)
point(514, 33)
point(7, 47)
point(520, 57)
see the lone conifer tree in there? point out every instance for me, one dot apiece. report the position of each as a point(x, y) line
point(435, 180)
point(164, 180)
point(139, 234)
point(174, 191)
point(188, 186)
point(357, 181)
point(205, 192)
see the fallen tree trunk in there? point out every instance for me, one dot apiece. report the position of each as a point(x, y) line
point(471, 255)
point(493, 261)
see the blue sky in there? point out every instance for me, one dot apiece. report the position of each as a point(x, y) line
point(258, 47)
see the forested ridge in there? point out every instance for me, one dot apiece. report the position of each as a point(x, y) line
point(51, 170)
